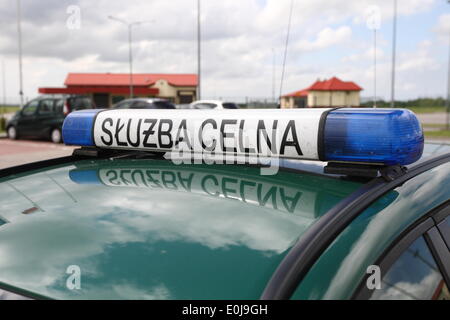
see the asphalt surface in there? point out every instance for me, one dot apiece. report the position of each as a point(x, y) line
point(432, 118)
point(17, 152)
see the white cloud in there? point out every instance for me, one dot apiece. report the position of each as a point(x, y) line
point(238, 37)
point(410, 290)
point(368, 55)
point(326, 38)
point(442, 27)
point(420, 60)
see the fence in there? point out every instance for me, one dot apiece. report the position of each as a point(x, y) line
point(248, 102)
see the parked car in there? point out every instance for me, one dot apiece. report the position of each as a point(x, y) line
point(43, 117)
point(213, 104)
point(143, 103)
point(183, 106)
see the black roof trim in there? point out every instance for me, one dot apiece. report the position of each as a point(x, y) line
point(34, 166)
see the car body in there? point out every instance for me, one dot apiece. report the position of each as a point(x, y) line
point(144, 103)
point(43, 117)
point(213, 104)
point(140, 227)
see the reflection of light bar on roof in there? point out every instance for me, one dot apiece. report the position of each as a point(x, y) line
point(381, 136)
point(306, 195)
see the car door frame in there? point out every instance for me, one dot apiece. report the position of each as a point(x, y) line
point(426, 227)
point(26, 123)
point(45, 122)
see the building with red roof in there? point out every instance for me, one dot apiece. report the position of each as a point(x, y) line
point(109, 88)
point(327, 93)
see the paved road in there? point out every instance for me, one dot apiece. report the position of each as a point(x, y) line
point(425, 118)
point(18, 152)
point(432, 118)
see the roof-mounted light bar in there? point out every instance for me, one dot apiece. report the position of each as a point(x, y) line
point(373, 136)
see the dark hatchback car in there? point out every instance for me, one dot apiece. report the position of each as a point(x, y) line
point(143, 103)
point(43, 117)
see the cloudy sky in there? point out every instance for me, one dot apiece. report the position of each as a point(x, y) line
point(241, 38)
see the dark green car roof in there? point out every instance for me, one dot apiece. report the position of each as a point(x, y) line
point(149, 229)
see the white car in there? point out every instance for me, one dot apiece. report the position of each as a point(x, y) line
point(213, 104)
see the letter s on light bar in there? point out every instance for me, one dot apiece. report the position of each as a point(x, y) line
point(376, 136)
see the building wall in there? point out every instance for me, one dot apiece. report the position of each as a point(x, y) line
point(287, 103)
point(168, 91)
point(165, 91)
point(333, 99)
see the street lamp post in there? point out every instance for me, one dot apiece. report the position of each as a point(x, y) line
point(130, 26)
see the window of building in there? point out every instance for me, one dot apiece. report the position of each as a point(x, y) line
point(117, 99)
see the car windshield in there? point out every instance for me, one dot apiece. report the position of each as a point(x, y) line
point(124, 104)
point(229, 105)
point(164, 105)
point(80, 103)
point(205, 105)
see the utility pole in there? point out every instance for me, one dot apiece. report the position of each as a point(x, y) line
point(130, 59)
point(4, 82)
point(199, 39)
point(2, 108)
point(394, 44)
point(19, 37)
point(373, 23)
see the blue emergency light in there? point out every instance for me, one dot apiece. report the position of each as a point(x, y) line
point(78, 128)
point(388, 136)
point(373, 136)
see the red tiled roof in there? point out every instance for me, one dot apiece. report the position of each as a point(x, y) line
point(123, 79)
point(100, 89)
point(300, 93)
point(334, 84)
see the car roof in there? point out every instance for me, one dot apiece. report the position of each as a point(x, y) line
point(60, 96)
point(219, 102)
point(149, 100)
point(116, 219)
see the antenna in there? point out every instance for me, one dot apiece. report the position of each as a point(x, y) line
point(286, 47)
point(373, 20)
point(273, 75)
point(394, 43)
